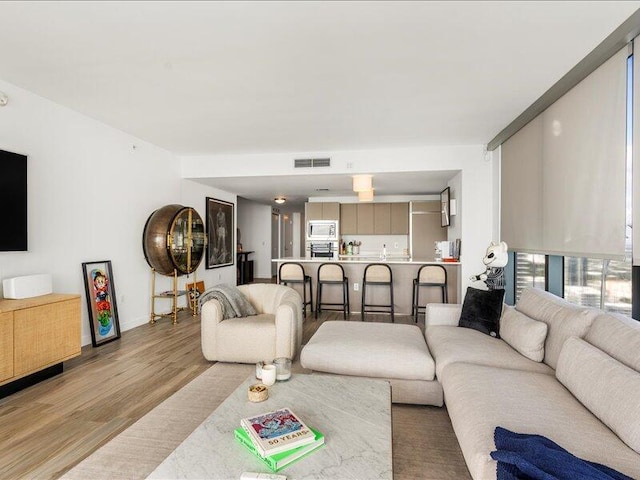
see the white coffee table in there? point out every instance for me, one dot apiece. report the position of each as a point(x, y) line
point(354, 414)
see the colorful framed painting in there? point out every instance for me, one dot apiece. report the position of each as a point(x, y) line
point(101, 302)
point(221, 250)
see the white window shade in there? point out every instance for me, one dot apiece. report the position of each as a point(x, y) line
point(521, 189)
point(569, 198)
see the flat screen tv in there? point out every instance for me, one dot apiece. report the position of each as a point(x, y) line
point(13, 198)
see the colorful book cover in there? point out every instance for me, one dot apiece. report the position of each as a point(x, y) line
point(277, 431)
point(280, 460)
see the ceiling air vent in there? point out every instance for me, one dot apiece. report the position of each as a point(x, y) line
point(311, 162)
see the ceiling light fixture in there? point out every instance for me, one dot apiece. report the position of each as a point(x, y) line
point(362, 183)
point(279, 200)
point(366, 196)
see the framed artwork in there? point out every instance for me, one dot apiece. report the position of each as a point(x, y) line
point(194, 290)
point(220, 231)
point(445, 220)
point(101, 302)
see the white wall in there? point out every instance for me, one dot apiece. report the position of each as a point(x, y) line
point(455, 191)
point(91, 189)
point(254, 221)
point(476, 191)
point(194, 194)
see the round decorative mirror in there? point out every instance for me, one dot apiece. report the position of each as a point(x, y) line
point(174, 238)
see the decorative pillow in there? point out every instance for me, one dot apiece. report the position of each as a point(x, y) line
point(564, 319)
point(481, 310)
point(523, 333)
point(609, 389)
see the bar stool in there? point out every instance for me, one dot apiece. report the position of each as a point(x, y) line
point(332, 274)
point(428, 276)
point(377, 274)
point(292, 272)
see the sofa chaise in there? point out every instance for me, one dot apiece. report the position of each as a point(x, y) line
point(569, 373)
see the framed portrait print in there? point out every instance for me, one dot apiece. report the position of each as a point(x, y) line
point(101, 302)
point(444, 208)
point(220, 232)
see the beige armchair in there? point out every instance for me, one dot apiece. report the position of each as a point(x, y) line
point(275, 332)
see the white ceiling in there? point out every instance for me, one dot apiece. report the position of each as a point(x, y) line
point(299, 188)
point(232, 77)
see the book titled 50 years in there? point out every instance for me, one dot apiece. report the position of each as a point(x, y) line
point(280, 460)
point(277, 431)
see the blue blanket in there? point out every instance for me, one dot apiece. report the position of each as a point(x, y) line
point(532, 457)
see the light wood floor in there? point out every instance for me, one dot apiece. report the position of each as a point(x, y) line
point(48, 428)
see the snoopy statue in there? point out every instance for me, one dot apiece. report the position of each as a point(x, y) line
point(495, 260)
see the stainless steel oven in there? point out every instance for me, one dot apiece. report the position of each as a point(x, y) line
point(322, 249)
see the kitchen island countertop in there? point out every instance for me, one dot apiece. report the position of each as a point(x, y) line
point(404, 270)
point(391, 259)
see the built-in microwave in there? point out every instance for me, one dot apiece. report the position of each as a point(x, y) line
point(322, 230)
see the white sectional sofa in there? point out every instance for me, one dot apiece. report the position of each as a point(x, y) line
point(583, 395)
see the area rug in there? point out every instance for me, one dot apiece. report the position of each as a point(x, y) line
point(431, 452)
point(137, 451)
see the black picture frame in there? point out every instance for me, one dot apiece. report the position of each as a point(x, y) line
point(445, 201)
point(220, 233)
point(101, 302)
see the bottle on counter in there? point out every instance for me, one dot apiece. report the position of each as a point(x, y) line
point(384, 252)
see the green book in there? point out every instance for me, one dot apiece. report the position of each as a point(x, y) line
point(280, 460)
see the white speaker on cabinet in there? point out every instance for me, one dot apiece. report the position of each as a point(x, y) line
point(28, 286)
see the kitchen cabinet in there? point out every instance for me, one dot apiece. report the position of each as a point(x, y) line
point(37, 333)
point(322, 211)
point(425, 206)
point(313, 211)
point(330, 211)
point(348, 218)
point(382, 218)
point(365, 218)
point(400, 218)
point(374, 218)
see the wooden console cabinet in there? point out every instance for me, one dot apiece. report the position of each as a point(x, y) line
point(37, 333)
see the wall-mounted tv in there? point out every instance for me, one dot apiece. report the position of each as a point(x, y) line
point(13, 198)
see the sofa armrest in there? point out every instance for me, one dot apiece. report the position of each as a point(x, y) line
point(210, 317)
point(442, 314)
point(288, 319)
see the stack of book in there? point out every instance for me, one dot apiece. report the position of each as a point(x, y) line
point(278, 438)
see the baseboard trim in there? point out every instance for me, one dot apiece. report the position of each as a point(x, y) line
point(30, 380)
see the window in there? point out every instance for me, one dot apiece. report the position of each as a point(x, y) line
point(530, 271)
point(604, 284)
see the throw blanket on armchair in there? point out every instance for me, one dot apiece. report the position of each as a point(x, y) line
point(233, 302)
point(533, 457)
